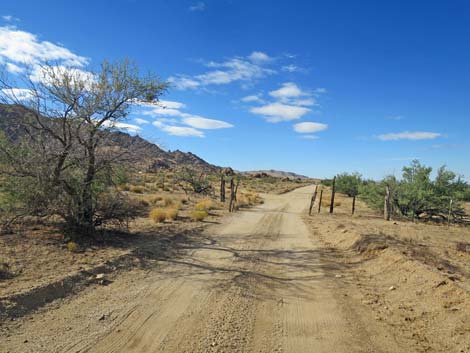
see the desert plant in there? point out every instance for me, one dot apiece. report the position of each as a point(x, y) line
point(137, 189)
point(199, 215)
point(61, 166)
point(158, 215)
point(72, 246)
point(348, 184)
point(171, 214)
point(205, 205)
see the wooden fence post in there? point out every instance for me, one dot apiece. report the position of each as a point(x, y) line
point(222, 188)
point(312, 201)
point(319, 201)
point(387, 204)
point(354, 204)
point(233, 194)
point(333, 191)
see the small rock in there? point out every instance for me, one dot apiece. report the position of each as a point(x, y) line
point(392, 288)
point(100, 276)
point(102, 317)
point(213, 344)
point(338, 276)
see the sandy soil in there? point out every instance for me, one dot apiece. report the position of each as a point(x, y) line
point(262, 281)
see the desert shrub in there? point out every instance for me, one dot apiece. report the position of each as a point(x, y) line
point(199, 215)
point(123, 187)
point(193, 181)
point(137, 189)
point(72, 246)
point(171, 214)
point(348, 184)
point(205, 205)
point(157, 215)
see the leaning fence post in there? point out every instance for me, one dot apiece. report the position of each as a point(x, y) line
point(354, 204)
point(319, 201)
point(222, 188)
point(333, 191)
point(312, 200)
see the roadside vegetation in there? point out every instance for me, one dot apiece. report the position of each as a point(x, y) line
point(416, 195)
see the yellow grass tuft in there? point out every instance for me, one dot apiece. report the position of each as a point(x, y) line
point(198, 215)
point(171, 214)
point(157, 215)
point(205, 205)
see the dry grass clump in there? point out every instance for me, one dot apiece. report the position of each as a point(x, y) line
point(199, 215)
point(205, 205)
point(157, 215)
point(160, 214)
point(249, 199)
point(72, 246)
point(171, 214)
point(137, 189)
point(124, 187)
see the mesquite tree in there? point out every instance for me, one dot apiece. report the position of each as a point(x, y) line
point(63, 163)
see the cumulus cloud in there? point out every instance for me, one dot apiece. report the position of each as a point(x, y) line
point(14, 69)
point(170, 119)
point(141, 121)
point(259, 57)
point(17, 94)
point(409, 135)
point(252, 98)
point(309, 127)
point(178, 130)
point(22, 47)
point(237, 69)
point(204, 123)
point(276, 112)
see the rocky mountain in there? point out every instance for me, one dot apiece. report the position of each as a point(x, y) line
point(144, 155)
point(276, 174)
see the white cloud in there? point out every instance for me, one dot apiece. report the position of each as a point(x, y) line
point(141, 121)
point(14, 69)
point(287, 91)
point(23, 47)
point(17, 94)
point(252, 98)
point(178, 130)
point(309, 127)
point(236, 69)
point(409, 135)
point(293, 68)
point(309, 137)
point(200, 6)
point(128, 127)
point(204, 123)
point(276, 112)
point(169, 119)
point(259, 57)
point(172, 104)
point(10, 18)
point(182, 82)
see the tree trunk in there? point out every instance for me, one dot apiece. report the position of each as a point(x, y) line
point(87, 209)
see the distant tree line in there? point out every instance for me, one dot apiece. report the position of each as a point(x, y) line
point(414, 195)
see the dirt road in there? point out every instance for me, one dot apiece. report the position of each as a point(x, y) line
point(259, 282)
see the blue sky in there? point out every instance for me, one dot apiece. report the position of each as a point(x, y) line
point(315, 87)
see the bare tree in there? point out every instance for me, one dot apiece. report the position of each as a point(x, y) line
point(64, 151)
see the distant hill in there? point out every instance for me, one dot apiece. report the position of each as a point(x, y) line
point(277, 174)
point(143, 154)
